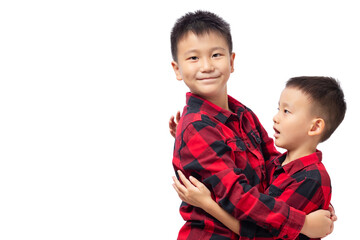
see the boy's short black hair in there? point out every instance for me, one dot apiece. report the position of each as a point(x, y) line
point(199, 22)
point(327, 97)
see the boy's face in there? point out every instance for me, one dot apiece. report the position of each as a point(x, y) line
point(294, 120)
point(204, 63)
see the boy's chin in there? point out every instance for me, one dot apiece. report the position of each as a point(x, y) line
point(209, 93)
point(279, 145)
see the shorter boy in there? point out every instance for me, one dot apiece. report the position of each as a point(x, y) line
point(310, 109)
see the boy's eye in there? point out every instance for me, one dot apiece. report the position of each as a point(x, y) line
point(286, 111)
point(193, 58)
point(217, 55)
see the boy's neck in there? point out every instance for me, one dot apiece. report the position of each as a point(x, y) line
point(221, 101)
point(292, 155)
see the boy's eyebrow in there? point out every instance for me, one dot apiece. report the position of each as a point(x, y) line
point(218, 48)
point(211, 50)
point(190, 51)
point(284, 104)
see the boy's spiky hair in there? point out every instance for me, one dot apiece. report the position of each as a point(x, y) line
point(199, 22)
point(327, 98)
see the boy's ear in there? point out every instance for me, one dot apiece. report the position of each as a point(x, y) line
point(176, 68)
point(232, 57)
point(317, 127)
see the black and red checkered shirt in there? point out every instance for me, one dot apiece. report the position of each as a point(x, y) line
point(228, 150)
point(303, 183)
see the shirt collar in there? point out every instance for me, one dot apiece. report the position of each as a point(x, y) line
point(197, 104)
point(298, 164)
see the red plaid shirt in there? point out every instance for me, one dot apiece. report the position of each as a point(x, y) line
point(228, 152)
point(303, 184)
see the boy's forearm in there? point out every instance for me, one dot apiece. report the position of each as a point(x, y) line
point(243, 201)
point(223, 216)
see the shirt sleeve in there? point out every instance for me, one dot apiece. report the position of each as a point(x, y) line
point(306, 195)
point(205, 155)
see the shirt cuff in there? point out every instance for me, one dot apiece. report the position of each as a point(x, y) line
point(292, 227)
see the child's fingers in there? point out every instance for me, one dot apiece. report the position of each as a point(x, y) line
point(196, 182)
point(172, 126)
point(172, 133)
point(181, 195)
point(332, 213)
point(178, 116)
point(326, 213)
point(185, 181)
point(179, 186)
point(199, 185)
point(171, 122)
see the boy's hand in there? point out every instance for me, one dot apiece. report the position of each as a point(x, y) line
point(318, 224)
point(192, 192)
point(173, 124)
point(332, 213)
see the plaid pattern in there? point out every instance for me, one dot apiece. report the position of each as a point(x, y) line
point(303, 183)
point(228, 152)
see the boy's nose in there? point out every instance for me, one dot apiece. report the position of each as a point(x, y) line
point(207, 66)
point(275, 118)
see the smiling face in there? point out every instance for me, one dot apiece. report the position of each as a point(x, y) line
point(205, 64)
point(294, 124)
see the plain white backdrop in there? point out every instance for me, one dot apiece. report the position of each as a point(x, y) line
point(86, 91)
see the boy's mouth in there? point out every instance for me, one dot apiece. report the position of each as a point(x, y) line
point(208, 77)
point(277, 133)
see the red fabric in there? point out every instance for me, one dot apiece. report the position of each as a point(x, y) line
point(228, 151)
point(304, 183)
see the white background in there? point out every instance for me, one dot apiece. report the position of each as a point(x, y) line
point(86, 91)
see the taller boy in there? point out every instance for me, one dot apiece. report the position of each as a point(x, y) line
point(222, 143)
